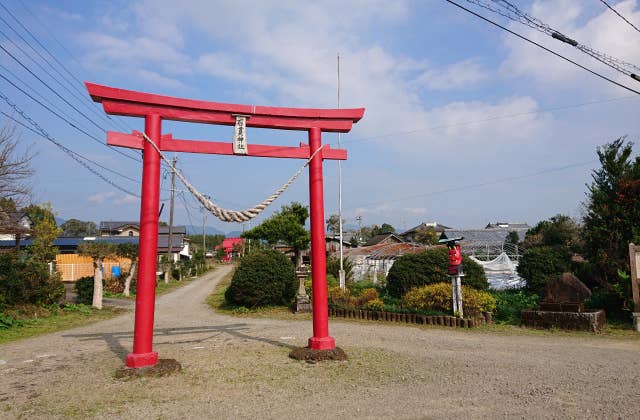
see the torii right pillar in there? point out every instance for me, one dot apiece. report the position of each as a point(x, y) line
point(321, 339)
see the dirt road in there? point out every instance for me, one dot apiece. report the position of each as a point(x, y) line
point(238, 368)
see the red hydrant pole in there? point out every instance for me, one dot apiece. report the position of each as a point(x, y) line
point(142, 354)
point(321, 339)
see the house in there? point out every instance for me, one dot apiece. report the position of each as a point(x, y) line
point(333, 244)
point(14, 225)
point(179, 244)
point(119, 228)
point(232, 248)
point(385, 238)
point(373, 262)
point(410, 235)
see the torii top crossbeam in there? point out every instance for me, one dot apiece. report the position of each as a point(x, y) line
point(139, 104)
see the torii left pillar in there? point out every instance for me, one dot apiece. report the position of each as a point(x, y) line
point(143, 354)
point(155, 108)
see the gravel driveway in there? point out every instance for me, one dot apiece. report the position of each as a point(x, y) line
point(238, 368)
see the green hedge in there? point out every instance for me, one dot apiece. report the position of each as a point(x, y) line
point(25, 281)
point(84, 289)
point(540, 264)
point(430, 267)
point(263, 278)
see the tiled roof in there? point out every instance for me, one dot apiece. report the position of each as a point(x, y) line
point(111, 226)
point(436, 226)
point(380, 238)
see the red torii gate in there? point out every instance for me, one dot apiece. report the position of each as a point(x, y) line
point(155, 108)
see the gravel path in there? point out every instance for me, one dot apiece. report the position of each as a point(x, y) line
point(238, 368)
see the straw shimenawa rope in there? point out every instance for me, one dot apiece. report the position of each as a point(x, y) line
point(232, 215)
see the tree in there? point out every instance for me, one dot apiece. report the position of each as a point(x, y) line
point(285, 226)
point(128, 251)
point(512, 238)
point(540, 264)
point(385, 229)
point(559, 230)
point(45, 231)
point(428, 267)
point(549, 246)
point(75, 227)
point(98, 251)
point(333, 225)
point(426, 235)
point(613, 210)
point(15, 167)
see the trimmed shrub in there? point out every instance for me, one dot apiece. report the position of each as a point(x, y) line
point(375, 305)
point(540, 264)
point(438, 297)
point(84, 290)
point(26, 281)
point(430, 267)
point(264, 278)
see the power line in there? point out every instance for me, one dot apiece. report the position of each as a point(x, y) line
point(75, 153)
point(65, 149)
point(620, 15)
point(76, 93)
point(515, 14)
point(542, 46)
point(36, 93)
point(72, 124)
point(108, 117)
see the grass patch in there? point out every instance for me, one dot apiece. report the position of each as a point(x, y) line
point(37, 320)
point(217, 302)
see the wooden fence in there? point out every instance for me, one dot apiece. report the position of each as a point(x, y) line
point(73, 266)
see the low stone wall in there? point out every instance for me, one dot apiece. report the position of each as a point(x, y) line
point(575, 321)
point(446, 321)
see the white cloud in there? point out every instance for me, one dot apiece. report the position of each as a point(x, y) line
point(458, 75)
point(113, 198)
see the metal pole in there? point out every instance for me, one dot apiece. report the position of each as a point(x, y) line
point(142, 354)
point(321, 339)
point(341, 273)
point(458, 296)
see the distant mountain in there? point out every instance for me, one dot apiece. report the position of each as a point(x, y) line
point(234, 234)
point(208, 230)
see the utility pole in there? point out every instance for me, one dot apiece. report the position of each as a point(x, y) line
point(359, 219)
point(167, 273)
point(341, 273)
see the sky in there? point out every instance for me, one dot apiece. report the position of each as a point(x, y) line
point(465, 124)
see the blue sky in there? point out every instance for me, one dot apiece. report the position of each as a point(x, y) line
point(464, 123)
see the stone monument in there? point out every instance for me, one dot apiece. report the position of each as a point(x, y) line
point(563, 307)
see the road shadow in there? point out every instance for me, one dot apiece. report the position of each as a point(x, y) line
point(204, 333)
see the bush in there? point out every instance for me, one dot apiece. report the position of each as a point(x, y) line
point(375, 305)
point(539, 265)
point(84, 290)
point(430, 267)
point(510, 303)
point(333, 268)
point(261, 279)
point(438, 297)
point(26, 281)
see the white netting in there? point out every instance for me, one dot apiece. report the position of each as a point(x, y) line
point(502, 272)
